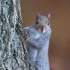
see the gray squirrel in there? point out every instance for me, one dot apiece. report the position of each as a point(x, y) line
point(37, 36)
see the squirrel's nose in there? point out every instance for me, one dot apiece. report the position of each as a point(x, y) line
point(42, 28)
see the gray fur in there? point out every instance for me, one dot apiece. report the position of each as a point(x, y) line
point(38, 46)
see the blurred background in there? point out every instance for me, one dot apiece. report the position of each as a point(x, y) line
point(59, 50)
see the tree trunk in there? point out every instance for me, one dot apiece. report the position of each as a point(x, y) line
point(13, 53)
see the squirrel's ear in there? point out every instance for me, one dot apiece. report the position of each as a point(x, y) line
point(49, 16)
point(38, 15)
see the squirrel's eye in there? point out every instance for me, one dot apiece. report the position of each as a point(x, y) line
point(48, 24)
point(36, 22)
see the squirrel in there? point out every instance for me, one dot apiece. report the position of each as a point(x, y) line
point(38, 36)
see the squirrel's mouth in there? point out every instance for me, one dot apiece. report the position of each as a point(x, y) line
point(43, 29)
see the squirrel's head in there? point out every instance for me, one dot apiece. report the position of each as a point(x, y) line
point(42, 22)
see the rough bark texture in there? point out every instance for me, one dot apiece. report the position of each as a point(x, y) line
point(13, 54)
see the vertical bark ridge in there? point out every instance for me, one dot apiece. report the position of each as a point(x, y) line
point(13, 53)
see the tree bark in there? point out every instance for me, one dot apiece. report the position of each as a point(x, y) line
point(13, 53)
